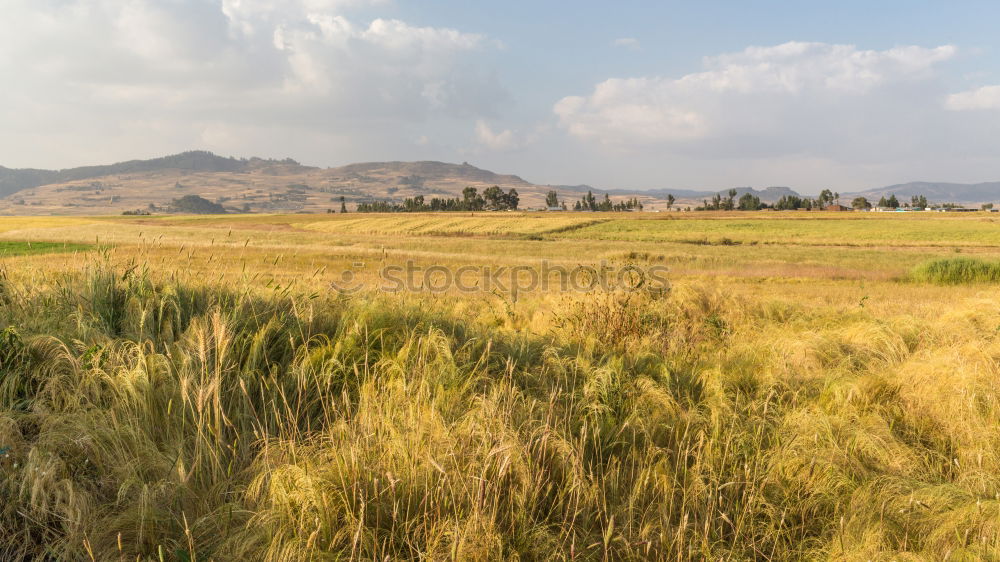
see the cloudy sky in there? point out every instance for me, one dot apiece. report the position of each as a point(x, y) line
point(626, 94)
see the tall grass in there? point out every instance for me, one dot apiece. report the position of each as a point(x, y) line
point(957, 271)
point(163, 421)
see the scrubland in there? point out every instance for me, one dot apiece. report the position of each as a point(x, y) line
point(180, 388)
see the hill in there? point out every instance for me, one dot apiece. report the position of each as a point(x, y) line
point(938, 192)
point(286, 186)
point(251, 185)
point(767, 195)
point(12, 181)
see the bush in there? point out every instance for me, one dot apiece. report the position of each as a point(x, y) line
point(196, 205)
point(957, 271)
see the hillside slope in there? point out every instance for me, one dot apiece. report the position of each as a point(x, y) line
point(250, 185)
point(939, 192)
point(284, 186)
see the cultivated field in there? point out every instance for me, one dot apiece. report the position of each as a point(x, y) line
point(813, 386)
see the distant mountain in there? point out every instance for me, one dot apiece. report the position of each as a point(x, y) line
point(766, 195)
point(415, 174)
point(249, 185)
point(937, 192)
point(12, 181)
point(268, 185)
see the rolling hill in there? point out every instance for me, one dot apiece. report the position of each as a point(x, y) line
point(938, 192)
point(251, 185)
point(286, 186)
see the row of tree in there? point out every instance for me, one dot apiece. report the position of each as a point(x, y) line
point(590, 203)
point(750, 202)
point(747, 202)
point(916, 202)
point(495, 199)
point(792, 202)
point(492, 199)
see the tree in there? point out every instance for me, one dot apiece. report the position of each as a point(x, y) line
point(893, 202)
point(471, 200)
point(497, 200)
point(670, 200)
point(606, 204)
point(861, 204)
point(883, 202)
point(918, 202)
point(343, 204)
point(513, 199)
point(494, 198)
point(552, 199)
point(749, 202)
point(987, 206)
point(789, 203)
point(731, 200)
point(826, 197)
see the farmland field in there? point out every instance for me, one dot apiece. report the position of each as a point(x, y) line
point(812, 386)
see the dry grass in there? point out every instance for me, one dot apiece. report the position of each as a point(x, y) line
point(193, 394)
point(469, 224)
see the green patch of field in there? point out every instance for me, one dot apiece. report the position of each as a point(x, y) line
point(27, 248)
point(957, 271)
point(866, 230)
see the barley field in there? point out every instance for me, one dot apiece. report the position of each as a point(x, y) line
point(194, 388)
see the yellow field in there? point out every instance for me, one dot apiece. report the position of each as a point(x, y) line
point(193, 388)
point(495, 224)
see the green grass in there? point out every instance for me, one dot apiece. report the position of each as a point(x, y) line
point(957, 271)
point(27, 248)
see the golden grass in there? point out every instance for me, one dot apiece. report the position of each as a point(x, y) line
point(448, 224)
point(191, 391)
point(819, 229)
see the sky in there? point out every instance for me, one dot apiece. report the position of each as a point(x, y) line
point(846, 95)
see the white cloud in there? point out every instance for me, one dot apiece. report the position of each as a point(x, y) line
point(502, 140)
point(794, 98)
point(108, 68)
point(987, 97)
point(628, 43)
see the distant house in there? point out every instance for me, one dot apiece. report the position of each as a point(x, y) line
point(555, 208)
point(837, 207)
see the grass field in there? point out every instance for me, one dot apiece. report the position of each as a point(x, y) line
point(849, 229)
point(490, 224)
point(813, 386)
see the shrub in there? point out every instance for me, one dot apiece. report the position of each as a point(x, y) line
point(957, 271)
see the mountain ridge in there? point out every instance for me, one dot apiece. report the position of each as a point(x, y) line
point(271, 185)
point(939, 192)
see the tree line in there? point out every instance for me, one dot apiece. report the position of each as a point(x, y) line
point(495, 199)
point(492, 199)
point(750, 202)
point(590, 203)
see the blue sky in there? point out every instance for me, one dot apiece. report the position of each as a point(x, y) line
point(628, 94)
